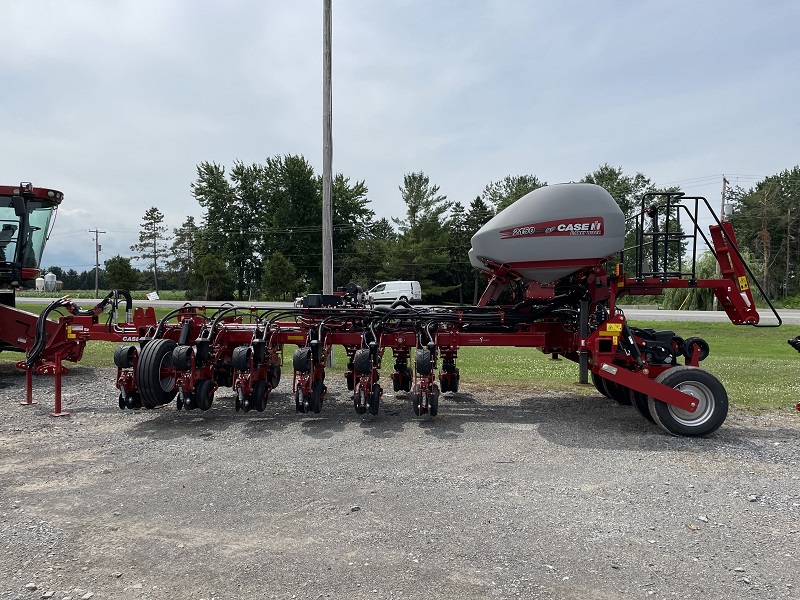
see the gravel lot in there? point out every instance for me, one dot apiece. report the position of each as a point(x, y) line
point(508, 493)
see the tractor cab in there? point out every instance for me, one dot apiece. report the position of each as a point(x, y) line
point(26, 213)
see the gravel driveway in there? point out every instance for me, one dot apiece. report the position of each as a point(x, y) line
point(508, 493)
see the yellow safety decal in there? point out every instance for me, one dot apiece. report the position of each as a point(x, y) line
point(743, 285)
point(616, 340)
point(602, 333)
point(614, 327)
point(295, 338)
point(70, 335)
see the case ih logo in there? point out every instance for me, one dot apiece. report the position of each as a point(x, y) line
point(579, 226)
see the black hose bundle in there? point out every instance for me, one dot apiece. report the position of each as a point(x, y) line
point(40, 341)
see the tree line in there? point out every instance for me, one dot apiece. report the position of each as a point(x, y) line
point(260, 235)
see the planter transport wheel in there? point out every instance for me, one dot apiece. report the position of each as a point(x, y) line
point(712, 402)
point(156, 373)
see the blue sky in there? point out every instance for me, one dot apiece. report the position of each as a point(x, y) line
point(116, 102)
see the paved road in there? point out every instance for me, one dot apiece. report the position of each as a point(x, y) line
point(789, 317)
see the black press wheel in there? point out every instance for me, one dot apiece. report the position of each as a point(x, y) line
point(712, 402)
point(299, 400)
point(360, 400)
point(259, 397)
point(315, 401)
point(433, 401)
point(415, 400)
point(204, 394)
point(122, 400)
point(155, 373)
point(375, 399)
point(274, 375)
point(444, 380)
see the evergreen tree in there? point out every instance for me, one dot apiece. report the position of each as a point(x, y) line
point(152, 241)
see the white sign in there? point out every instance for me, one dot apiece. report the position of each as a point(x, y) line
point(152, 296)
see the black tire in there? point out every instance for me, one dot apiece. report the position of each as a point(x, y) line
point(124, 355)
point(454, 381)
point(642, 405)
point(444, 381)
point(315, 401)
point(299, 400)
point(122, 399)
point(274, 375)
point(361, 408)
point(688, 348)
point(155, 373)
point(182, 357)
point(397, 381)
point(362, 362)
point(423, 361)
point(204, 394)
point(375, 399)
point(415, 400)
point(241, 358)
point(259, 397)
point(403, 299)
point(711, 397)
point(619, 393)
point(433, 401)
point(189, 401)
point(132, 401)
point(598, 384)
point(301, 361)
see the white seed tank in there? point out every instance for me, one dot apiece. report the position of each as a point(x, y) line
point(552, 232)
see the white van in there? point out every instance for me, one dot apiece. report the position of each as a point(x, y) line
point(389, 291)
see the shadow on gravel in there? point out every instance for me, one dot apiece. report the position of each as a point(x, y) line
point(586, 422)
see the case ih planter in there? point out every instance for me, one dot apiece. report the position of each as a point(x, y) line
point(552, 250)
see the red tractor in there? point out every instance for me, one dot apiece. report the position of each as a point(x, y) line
point(26, 215)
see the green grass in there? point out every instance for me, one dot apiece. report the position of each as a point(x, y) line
point(756, 365)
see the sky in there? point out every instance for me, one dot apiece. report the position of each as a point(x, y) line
point(116, 102)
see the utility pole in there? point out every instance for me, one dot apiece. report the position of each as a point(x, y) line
point(97, 248)
point(327, 150)
point(722, 220)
